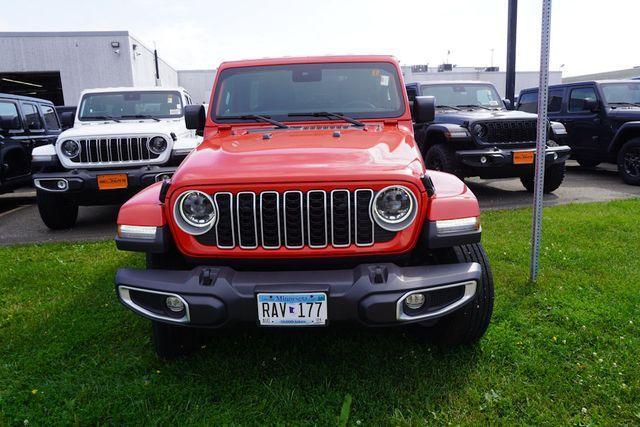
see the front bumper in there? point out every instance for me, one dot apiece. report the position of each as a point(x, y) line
point(369, 294)
point(490, 158)
point(83, 180)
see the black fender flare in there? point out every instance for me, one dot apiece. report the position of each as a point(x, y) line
point(444, 132)
point(624, 133)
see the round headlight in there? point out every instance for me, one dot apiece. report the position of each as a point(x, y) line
point(70, 148)
point(157, 145)
point(480, 130)
point(195, 212)
point(394, 208)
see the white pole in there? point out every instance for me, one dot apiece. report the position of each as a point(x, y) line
point(541, 140)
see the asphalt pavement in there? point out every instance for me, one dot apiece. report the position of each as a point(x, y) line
point(20, 221)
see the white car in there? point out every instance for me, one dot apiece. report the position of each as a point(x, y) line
point(122, 140)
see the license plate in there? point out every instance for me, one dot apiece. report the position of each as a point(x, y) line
point(112, 182)
point(308, 309)
point(523, 157)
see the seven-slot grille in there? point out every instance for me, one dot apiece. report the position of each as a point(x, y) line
point(294, 219)
point(509, 131)
point(109, 150)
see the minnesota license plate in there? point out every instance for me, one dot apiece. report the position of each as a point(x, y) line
point(304, 309)
point(112, 182)
point(523, 157)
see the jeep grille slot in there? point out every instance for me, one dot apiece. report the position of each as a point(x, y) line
point(294, 219)
point(508, 131)
point(109, 151)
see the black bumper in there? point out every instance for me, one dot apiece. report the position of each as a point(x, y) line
point(502, 159)
point(369, 294)
point(82, 184)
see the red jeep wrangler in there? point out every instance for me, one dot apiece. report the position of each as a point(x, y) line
point(307, 203)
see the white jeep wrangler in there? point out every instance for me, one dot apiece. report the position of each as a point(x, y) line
point(122, 140)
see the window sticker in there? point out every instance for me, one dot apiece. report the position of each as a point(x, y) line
point(175, 111)
point(384, 80)
point(494, 103)
point(169, 99)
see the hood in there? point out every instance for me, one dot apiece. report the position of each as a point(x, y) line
point(624, 114)
point(130, 127)
point(459, 117)
point(378, 153)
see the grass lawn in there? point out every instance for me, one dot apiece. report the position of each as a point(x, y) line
point(564, 350)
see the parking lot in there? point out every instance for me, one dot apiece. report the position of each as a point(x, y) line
point(20, 222)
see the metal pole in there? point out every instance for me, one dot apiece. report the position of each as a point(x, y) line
point(512, 25)
point(541, 140)
point(155, 60)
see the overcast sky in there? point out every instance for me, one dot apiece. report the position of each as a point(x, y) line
point(587, 35)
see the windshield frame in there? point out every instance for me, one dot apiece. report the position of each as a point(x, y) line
point(500, 105)
point(608, 102)
point(118, 92)
point(389, 66)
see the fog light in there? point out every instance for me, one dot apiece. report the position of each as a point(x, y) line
point(163, 177)
point(61, 184)
point(174, 304)
point(555, 156)
point(414, 301)
point(483, 160)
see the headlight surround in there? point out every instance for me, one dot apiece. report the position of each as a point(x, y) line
point(70, 148)
point(394, 208)
point(194, 212)
point(157, 145)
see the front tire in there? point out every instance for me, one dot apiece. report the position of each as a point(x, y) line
point(553, 178)
point(441, 157)
point(629, 162)
point(56, 211)
point(468, 324)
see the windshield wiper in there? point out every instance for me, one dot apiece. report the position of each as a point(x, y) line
point(257, 118)
point(101, 118)
point(328, 114)
point(473, 106)
point(631, 104)
point(447, 106)
point(139, 116)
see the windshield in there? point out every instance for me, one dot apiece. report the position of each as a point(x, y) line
point(130, 105)
point(627, 93)
point(464, 95)
point(358, 90)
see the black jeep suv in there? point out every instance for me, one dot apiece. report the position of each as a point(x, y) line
point(602, 119)
point(474, 134)
point(25, 123)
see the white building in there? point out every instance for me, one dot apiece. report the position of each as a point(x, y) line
point(59, 65)
point(524, 79)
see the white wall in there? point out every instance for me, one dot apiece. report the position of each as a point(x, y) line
point(524, 79)
point(84, 60)
point(198, 83)
point(144, 68)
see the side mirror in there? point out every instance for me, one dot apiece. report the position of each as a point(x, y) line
point(424, 109)
point(66, 119)
point(507, 104)
point(195, 118)
point(590, 104)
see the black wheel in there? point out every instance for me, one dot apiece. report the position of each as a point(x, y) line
point(171, 341)
point(629, 162)
point(553, 177)
point(56, 211)
point(441, 157)
point(588, 163)
point(469, 323)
